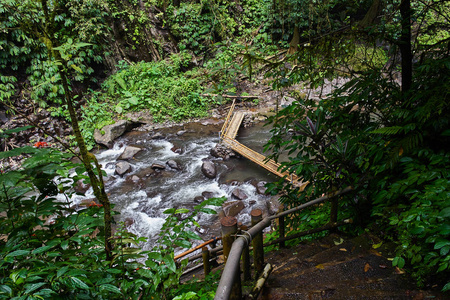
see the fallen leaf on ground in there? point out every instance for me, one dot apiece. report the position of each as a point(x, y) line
point(382, 266)
point(320, 267)
point(375, 246)
point(341, 240)
point(399, 271)
point(343, 249)
point(367, 267)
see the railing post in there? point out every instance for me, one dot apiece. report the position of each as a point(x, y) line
point(206, 264)
point(258, 249)
point(229, 230)
point(245, 258)
point(282, 230)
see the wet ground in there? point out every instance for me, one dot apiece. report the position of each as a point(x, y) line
point(336, 267)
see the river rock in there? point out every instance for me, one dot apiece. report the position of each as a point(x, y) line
point(209, 169)
point(122, 167)
point(233, 208)
point(176, 149)
point(222, 151)
point(109, 133)
point(181, 132)
point(273, 205)
point(260, 187)
point(129, 152)
point(135, 178)
point(158, 166)
point(173, 164)
point(157, 136)
point(81, 187)
point(239, 194)
point(207, 194)
point(199, 199)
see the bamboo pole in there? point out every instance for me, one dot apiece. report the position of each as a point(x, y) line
point(196, 248)
point(260, 282)
point(258, 248)
point(206, 264)
point(229, 230)
point(311, 231)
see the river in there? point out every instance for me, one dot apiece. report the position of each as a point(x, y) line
point(141, 202)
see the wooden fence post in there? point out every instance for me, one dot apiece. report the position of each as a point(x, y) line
point(229, 230)
point(258, 249)
point(206, 264)
point(281, 230)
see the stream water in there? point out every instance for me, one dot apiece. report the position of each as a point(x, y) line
point(141, 202)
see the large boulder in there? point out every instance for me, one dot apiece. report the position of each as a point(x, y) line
point(233, 208)
point(129, 152)
point(122, 167)
point(209, 169)
point(109, 133)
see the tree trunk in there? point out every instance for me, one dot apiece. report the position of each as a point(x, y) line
point(405, 45)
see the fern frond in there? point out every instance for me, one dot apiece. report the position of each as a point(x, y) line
point(388, 130)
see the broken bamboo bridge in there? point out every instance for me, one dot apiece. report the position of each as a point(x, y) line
point(228, 136)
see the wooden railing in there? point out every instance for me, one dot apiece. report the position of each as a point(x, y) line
point(230, 282)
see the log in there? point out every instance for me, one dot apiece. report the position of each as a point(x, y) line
point(230, 96)
point(260, 282)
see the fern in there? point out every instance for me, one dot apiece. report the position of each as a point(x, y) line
point(388, 130)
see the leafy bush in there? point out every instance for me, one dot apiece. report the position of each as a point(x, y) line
point(51, 250)
point(159, 87)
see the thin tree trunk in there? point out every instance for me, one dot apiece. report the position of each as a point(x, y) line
point(405, 45)
point(88, 158)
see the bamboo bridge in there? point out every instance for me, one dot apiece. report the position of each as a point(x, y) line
point(228, 136)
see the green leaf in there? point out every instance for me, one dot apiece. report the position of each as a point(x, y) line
point(6, 289)
point(17, 152)
point(133, 100)
point(446, 287)
point(183, 244)
point(399, 262)
point(182, 211)
point(155, 255)
point(191, 235)
point(145, 273)
point(169, 211)
point(170, 263)
point(208, 211)
point(445, 213)
point(33, 287)
point(110, 288)
point(18, 253)
point(441, 244)
point(79, 283)
point(42, 249)
point(62, 271)
point(65, 244)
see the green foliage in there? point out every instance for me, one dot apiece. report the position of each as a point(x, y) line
point(24, 53)
point(390, 144)
point(416, 205)
point(159, 87)
point(51, 250)
point(95, 114)
point(198, 26)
